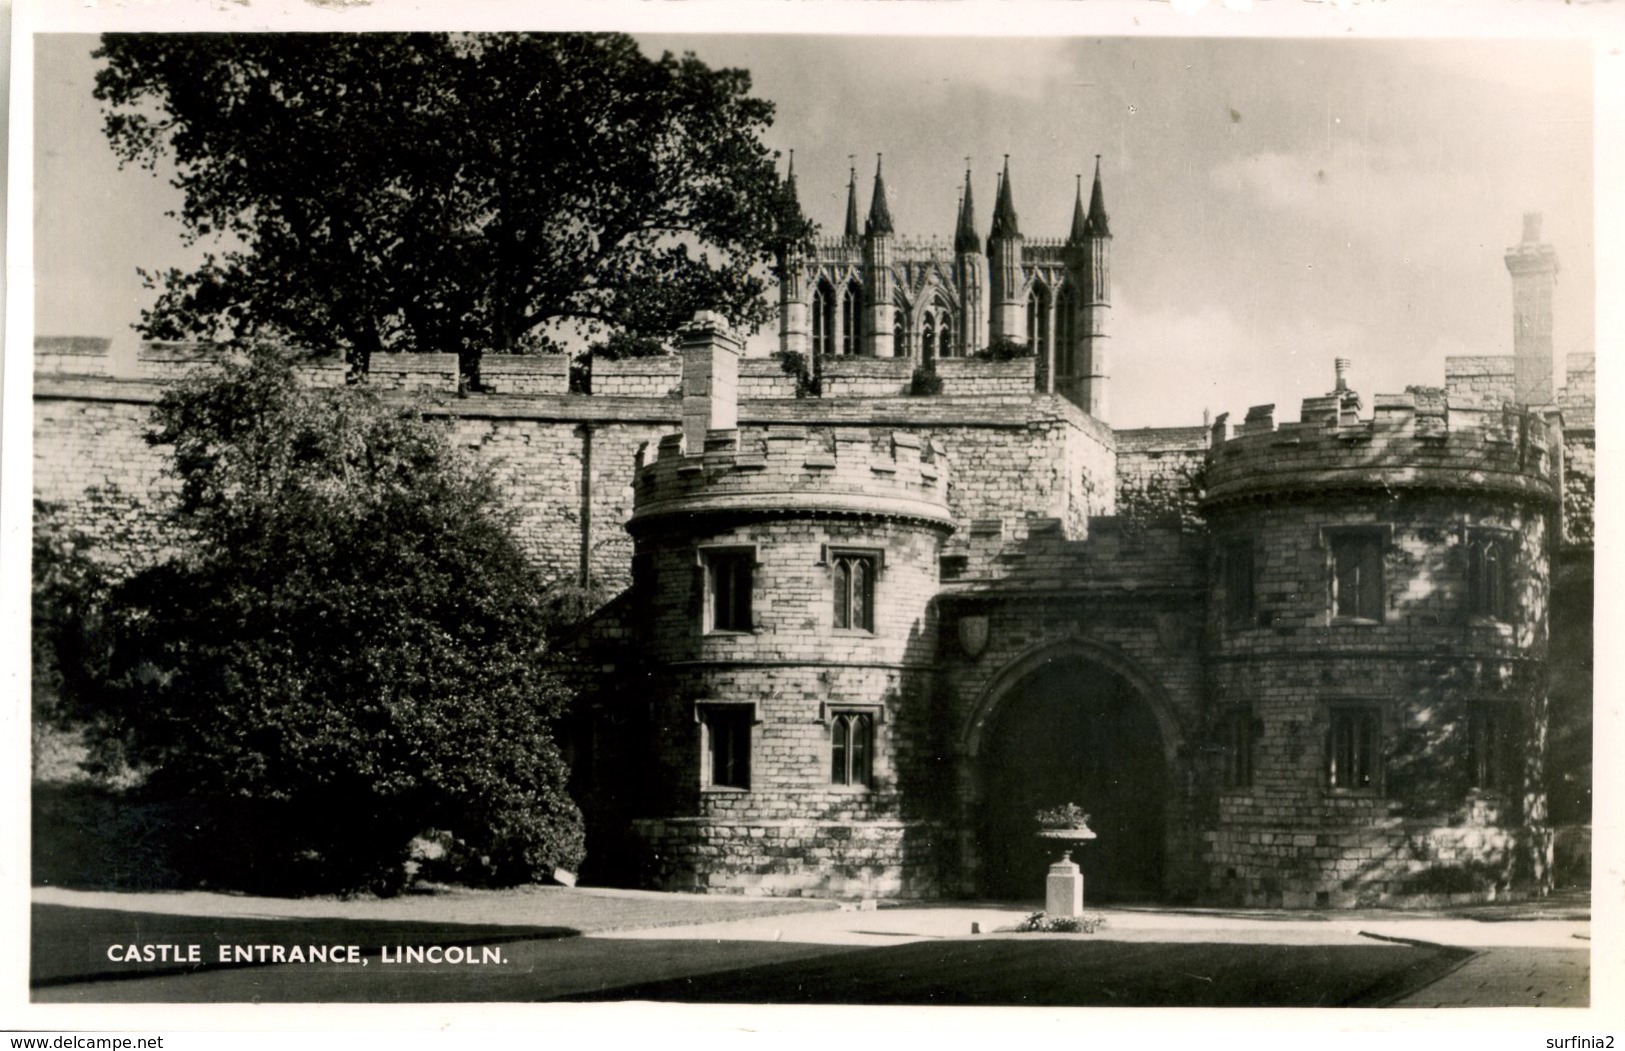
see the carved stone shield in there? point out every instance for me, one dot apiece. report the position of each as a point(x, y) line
point(973, 634)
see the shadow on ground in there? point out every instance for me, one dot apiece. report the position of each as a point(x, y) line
point(1061, 972)
point(543, 963)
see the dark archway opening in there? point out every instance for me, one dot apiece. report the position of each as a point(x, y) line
point(1074, 732)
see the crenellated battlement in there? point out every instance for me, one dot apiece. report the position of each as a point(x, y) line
point(1415, 440)
point(848, 471)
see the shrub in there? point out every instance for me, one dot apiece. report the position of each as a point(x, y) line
point(1045, 923)
point(925, 381)
point(794, 363)
point(348, 650)
point(1004, 349)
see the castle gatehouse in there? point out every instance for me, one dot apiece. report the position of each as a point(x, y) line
point(855, 636)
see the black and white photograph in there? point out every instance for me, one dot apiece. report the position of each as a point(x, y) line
point(991, 506)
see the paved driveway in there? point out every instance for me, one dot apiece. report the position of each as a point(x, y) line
point(552, 943)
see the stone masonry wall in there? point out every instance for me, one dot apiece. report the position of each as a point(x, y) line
point(92, 464)
point(72, 355)
point(1158, 469)
point(858, 377)
point(1423, 478)
point(764, 378)
point(1125, 597)
point(968, 377)
point(1480, 381)
point(526, 373)
point(660, 377)
point(1011, 463)
point(792, 498)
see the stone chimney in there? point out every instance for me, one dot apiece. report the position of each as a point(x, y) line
point(1533, 266)
point(710, 378)
point(1345, 397)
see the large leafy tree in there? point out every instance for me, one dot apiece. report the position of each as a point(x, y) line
point(347, 650)
point(446, 192)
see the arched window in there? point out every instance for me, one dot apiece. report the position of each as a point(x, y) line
point(936, 330)
point(1038, 320)
point(854, 592)
point(852, 319)
point(899, 331)
point(852, 748)
point(823, 319)
point(1066, 342)
point(1489, 575)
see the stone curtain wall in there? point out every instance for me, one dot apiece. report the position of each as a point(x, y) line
point(860, 377)
point(72, 355)
point(94, 468)
point(1018, 456)
point(638, 377)
point(764, 378)
point(526, 374)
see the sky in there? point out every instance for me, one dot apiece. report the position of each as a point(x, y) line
point(1275, 204)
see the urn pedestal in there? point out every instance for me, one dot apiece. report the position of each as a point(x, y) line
point(1063, 886)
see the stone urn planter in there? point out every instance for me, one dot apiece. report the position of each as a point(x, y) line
point(1068, 827)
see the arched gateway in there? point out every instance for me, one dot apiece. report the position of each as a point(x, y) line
point(1071, 723)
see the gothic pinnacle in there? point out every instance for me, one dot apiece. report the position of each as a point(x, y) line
point(1004, 211)
point(852, 202)
point(792, 200)
point(879, 213)
point(1095, 225)
point(1080, 222)
point(965, 237)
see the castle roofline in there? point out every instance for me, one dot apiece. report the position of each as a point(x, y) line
point(796, 471)
point(1414, 440)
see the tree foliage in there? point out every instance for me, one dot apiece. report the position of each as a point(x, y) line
point(349, 650)
point(433, 192)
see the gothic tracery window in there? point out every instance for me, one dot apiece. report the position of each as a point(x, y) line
point(851, 748)
point(823, 319)
point(852, 319)
point(1066, 333)
point(1038, 302)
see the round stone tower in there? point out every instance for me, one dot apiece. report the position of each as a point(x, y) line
point(783, 578)
point(1377, 633)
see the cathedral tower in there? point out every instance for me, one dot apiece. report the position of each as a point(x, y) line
point(1533, 266)
point(877, 267)
point(972, 277)
point(1005, 279)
